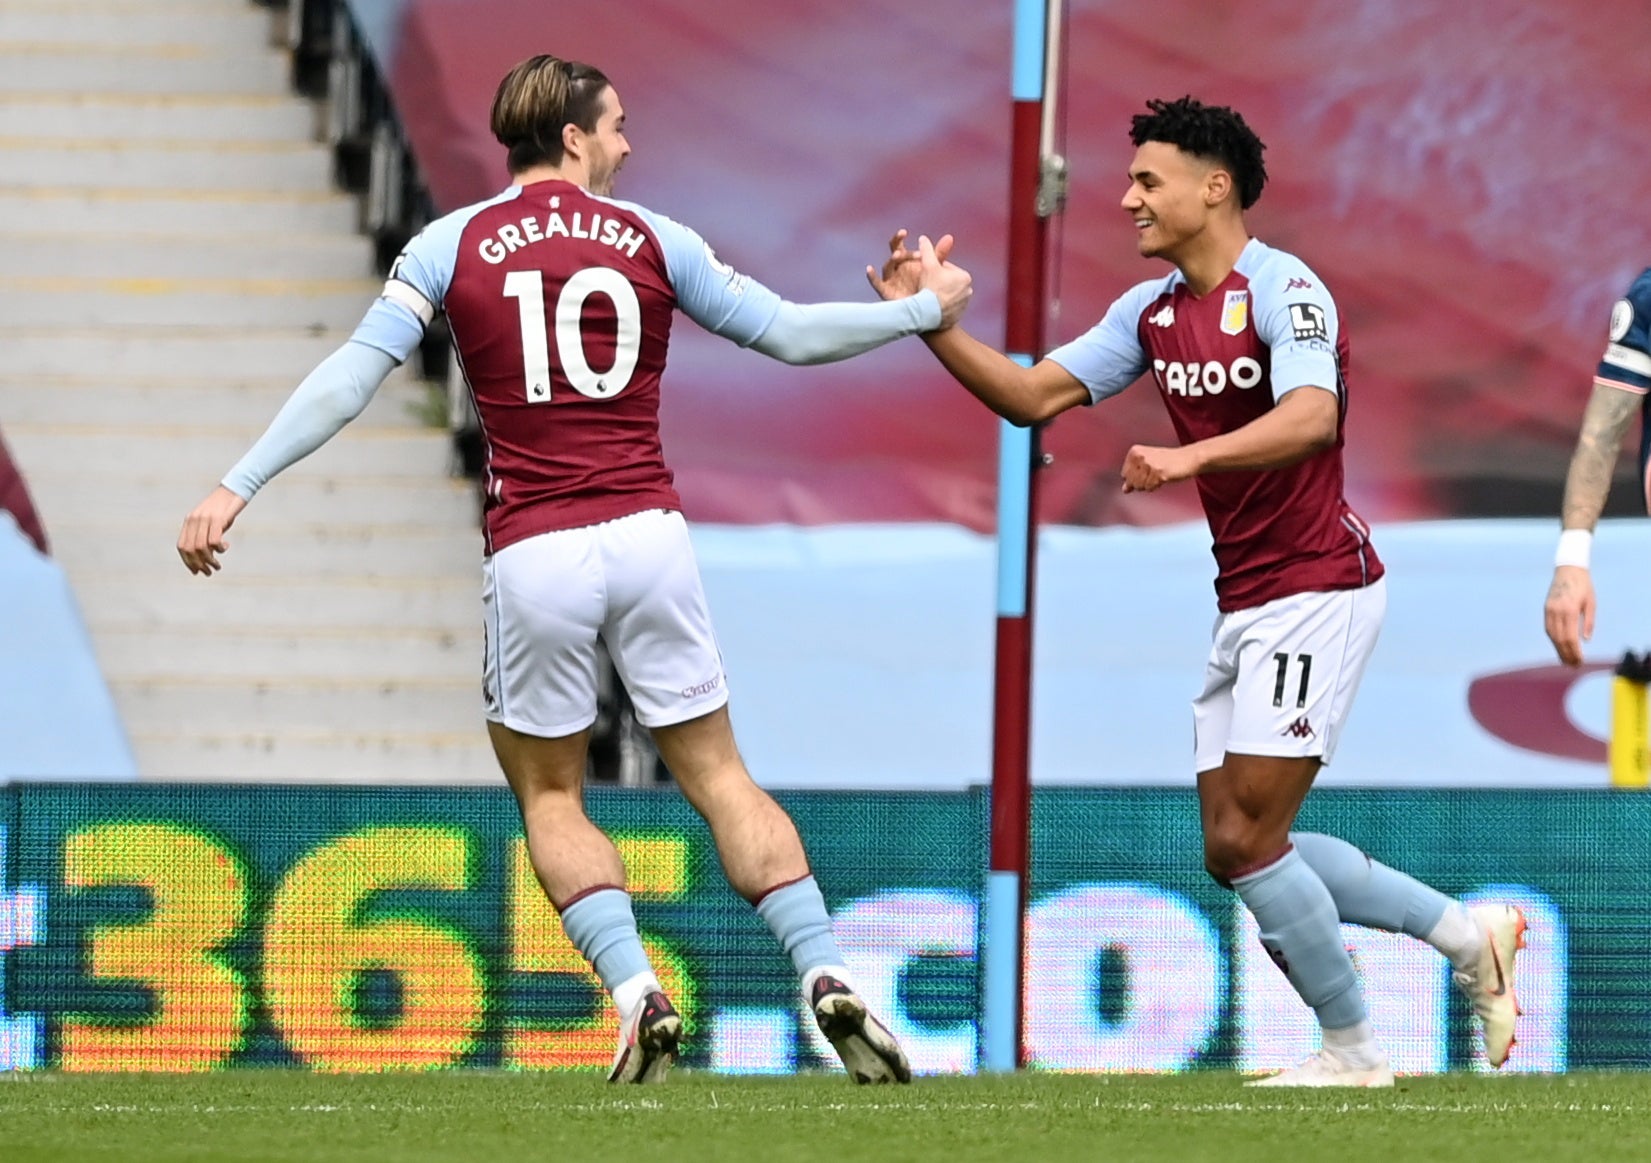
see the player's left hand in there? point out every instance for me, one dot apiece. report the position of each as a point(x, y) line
point(1569, 614)
point(202, 539)
point(1147, 468)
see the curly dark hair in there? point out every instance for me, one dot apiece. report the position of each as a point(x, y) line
point(1213, 132)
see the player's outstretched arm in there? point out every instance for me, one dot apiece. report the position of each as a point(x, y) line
point(809, 333)
point(329, 398)
point(1568, 615)
point(1021, 395)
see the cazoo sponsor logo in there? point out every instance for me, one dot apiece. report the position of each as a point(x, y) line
point(1206, 379)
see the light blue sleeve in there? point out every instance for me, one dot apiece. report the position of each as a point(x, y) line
point(810, 333)
point(330, 397)
point(737, 307)
point(1296, 318)
point(418, 282)
point(1108, 357)
point(709, 291)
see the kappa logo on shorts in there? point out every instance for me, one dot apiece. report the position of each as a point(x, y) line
point(1300, 729)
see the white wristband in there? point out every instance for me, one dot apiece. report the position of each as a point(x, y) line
point(1574, 548)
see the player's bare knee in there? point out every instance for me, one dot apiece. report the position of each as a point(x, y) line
point(1232, 851)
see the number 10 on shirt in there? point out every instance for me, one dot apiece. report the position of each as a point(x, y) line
point(528, 289)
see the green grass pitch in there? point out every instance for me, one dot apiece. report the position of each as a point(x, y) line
point(502, 1118)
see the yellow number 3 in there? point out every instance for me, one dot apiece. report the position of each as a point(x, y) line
point(199, 892)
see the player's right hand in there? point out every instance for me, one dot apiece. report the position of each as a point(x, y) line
point(951, 284)
point(1569, 614)
point(202, 538)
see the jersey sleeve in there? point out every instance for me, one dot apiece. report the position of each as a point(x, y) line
point(416, 288)
point(1108, 357)
point(1627, 360)
point(1297, 319)
point(709, 291)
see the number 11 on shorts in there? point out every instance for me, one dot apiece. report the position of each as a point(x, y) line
point(1283, 661)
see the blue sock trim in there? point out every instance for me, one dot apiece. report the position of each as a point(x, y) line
point(602, 926)
point(1368, 892)
point(1301, 932)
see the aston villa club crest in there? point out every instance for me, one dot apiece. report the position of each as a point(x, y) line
point(1235, 312)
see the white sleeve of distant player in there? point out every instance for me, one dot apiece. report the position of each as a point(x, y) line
point(1108, 357)
point(709, 291)
point(1300, 326)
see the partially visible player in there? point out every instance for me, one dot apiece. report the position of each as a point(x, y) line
point(1622, 387)
point(560, 300)
point(1248, 351)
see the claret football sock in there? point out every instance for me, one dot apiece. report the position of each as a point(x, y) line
point(602, 927)
point(1369, 893)
point(796, 913)
point(1302, 934)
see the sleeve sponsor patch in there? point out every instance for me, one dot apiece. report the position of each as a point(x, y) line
point(735, 281)
point(1622, 318)
point(1307, 321)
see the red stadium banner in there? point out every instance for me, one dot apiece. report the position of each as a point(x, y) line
point(1474, 203)
point(14, 499)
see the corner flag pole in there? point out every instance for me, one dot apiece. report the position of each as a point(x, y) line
point(1036, 191)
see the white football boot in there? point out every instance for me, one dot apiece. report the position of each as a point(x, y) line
point(1489, 984)
point(648, 1040)
point(869, 1052)
point(1326, 1069)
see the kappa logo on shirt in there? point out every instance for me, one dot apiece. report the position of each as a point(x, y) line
point(1298, 285)
point(1164, 318)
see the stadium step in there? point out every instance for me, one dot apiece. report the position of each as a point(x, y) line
point(76, 504)
point(165, 164)
point(398, 757)
point(231, 655)
point(405, 401)
point(131, 117)
point(259, 547)
point(112, 67)
point(376, 706)
point(192, 255)
point(244, 215)
point(174, 259)
point(203, 453)
point(208, 24)
point(180, 603)
point(315, 304)
point(190, 348)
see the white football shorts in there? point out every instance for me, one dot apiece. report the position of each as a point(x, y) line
point(634, 583)
point(1281, 677)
